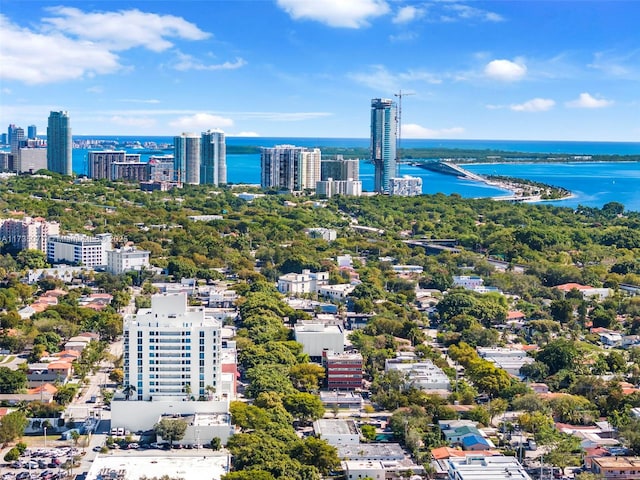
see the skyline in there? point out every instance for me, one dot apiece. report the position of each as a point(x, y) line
point(291, 68)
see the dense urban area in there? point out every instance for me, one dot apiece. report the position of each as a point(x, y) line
point(352, 337)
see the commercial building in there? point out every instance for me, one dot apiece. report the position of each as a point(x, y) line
point(213, 158)
point(289, 167)
point(486, 468)
point(510, 360)
point(28, 233)
point(343, 370)
point(17, 139)
point(32, 131)
point(59, 143)
point(125, 259)
point(384, 126)
point(30, 159)
point(187, 158)
point(316, 337)
point(405, 186)
point(337, 431)
point(79, 249)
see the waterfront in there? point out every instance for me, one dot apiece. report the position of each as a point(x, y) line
point(592, 183)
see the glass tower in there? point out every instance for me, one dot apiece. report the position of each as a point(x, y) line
point(213, 158)
point(59, 143)
point(384, 121)
point(187, 158)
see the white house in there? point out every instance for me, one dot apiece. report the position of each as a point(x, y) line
point(305, 282)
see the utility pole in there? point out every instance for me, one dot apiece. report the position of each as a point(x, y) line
point(400, 94)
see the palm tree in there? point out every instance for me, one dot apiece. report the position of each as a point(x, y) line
point(210, 389)
point(128, 390)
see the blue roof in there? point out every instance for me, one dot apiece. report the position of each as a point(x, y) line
point(470, 440)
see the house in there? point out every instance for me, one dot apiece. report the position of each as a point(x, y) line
point(619, 468)
point(475, 442)
point(305, 282)
point(587, 291)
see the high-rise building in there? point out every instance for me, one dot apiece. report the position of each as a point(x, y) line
point(28, 233)
point(290, 167)
point(100, 163)
point(4, 139)
point(161, 168)
point(186, 153)
point(79, 249)
point(32, 132)
point(384, 121)
point(17, 139)
point(171, 351)
point(213, 158)
point(10, 131)
point(405, 186)
point(59, 143)
point(340, 169)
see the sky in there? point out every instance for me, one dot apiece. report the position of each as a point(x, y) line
point(517, 70)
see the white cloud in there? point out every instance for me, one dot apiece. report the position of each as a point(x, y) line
point(380, 79)
point(336, 13)
point(140, 100)
point(95, 89)
point(124, 29)
point(6, 91)
point(505, 70)
point(412, 130)
point(244, 134)
point(408, 14)
point(138, 122)
point(201, 121)
point(35, 58)
point(188, 62)
point(586, 100)
point(534, 105)
point(457, 11)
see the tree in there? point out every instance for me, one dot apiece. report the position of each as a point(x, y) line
point(75, 436)
point(305, 407)
point(215, 444)
point(12, 426)
point(497, 407)
point(128, 390)
point(558, 355)
point(116, 376)
point(12, 381)
point(249, 475)
point(368, 432)
point(307, 376)
point(317, 452)
point(170, 429)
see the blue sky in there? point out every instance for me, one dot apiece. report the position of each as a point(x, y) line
point(554, 70)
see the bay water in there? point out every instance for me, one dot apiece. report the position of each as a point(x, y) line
point(593, 184)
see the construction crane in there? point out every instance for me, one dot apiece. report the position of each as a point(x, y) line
point(400, 94)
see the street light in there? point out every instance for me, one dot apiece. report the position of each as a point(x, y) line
point(45, 437)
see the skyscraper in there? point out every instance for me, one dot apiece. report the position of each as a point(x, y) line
point(59, 143)
point(213, 158)
point(384, 121)
point(17, 139)
point(290, 167)
point(32, 132)
point(186, 153)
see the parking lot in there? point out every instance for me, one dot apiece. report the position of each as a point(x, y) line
point(41, 464)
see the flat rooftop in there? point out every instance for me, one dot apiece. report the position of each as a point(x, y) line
point(335, 427)
point(617, 462)
point(127, 467)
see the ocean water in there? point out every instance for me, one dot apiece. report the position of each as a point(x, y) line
point(592, 183)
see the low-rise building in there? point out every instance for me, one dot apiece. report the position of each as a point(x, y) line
point(423, 375)
point(316, 337)
point(468, 282)
point(619, 468)
point(586, 290)
point(486, 468)
point(338, 292)
point(305, 282)
point(344, 370)
point(509, 359)
point(127, 259)
point(341, 400)
point(328, 234)
point(78, 249)
point(337, 431)
point(405, 186)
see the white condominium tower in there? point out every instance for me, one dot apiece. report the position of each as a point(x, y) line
point(171, 351)
point(187, 158)
point(290, 167)
point(213, 158)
